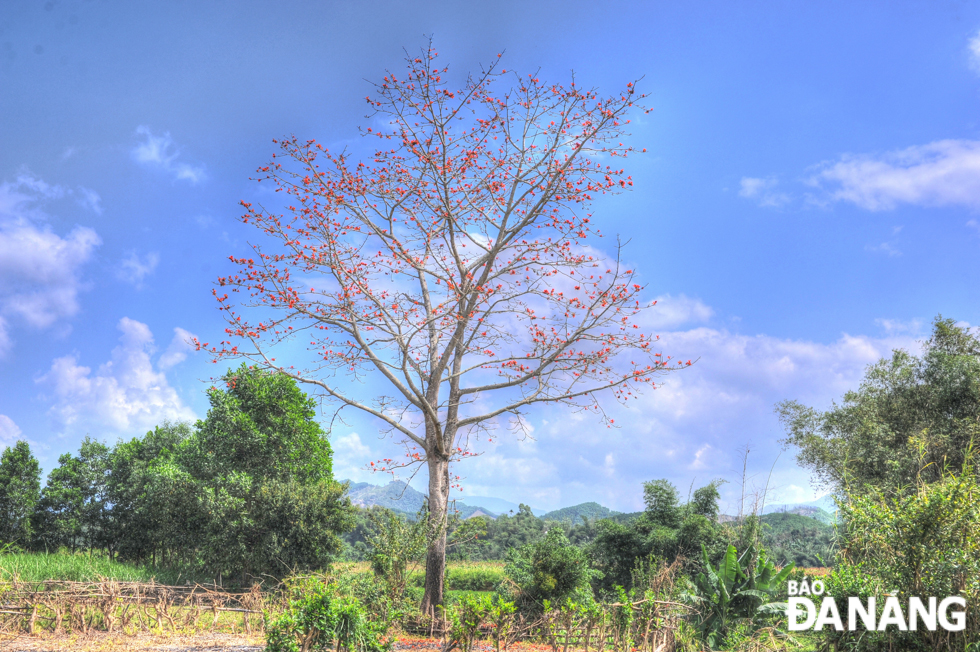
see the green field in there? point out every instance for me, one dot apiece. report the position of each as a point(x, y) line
point(80, 567)
point(85, 567)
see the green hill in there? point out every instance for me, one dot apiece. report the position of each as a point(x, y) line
point(577, 514)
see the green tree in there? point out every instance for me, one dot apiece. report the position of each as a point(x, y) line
point(396, 546)
point(912, 418)
point(20, 490)
point(155, 509)
point(261, 425)
point(263, 469)
point(667, 529)
point(73, 511)
point(925, 542)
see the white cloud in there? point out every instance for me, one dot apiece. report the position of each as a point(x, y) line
point(162, 153)
point(9, 432)
point(179, 347)
point(700, 461)
point(974, 52)
point(5, 341)
point(895, 326)
point(687, 430)
point(973, 224)
point(942, 173)
point(89, 199)
point(40, 271)
point(887, 248)
point(671, 312)
point(133, 268)
point(763, 191)
point(350, 455)
point(126, 394)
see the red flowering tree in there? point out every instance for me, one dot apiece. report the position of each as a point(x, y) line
point(451, 268)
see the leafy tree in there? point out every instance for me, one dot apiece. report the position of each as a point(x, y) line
point(396, 546)
point(506, 532)
point(261, 425)
point(911, 418)
point(450, 265)
point(925, 542)
point(798, 539)
point(73, 511)
point(667, 529)
point(263, 469)
point(155, 511)
point(662, 504)
point(20, 489)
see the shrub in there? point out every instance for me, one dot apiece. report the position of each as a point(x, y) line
point(550, 569)
point(318, 620)
point(465, 618)
point(921, 543)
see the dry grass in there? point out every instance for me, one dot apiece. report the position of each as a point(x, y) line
point(816, 571)
point(128, 608)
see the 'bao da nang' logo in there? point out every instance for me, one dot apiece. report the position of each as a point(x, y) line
point(916, 613)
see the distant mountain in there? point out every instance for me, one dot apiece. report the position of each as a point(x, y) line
point(497, 505)
point(399, 496)
point(823, 509)
point(395, 495)
point(821, 515)
point(577, 514)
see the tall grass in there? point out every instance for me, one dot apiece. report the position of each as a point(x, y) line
point(85, 567)
point(78, 567)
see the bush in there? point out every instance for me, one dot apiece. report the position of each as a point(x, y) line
point(923, 543)
point(550, 569)
point(318, 620)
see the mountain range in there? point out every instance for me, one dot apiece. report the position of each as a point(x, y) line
point(401, 497)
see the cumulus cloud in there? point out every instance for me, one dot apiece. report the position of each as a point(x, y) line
point(973, 47)
point(180, 346)
point(350, 455)
point(763, 191)
point(89, 199)
point(887, 248)
point(671, 312)
point(689, 429)
point(942, 173)
point(9, 432)
point(160, 152)
point(126, 394)
point(134, 268)
point(40, 270)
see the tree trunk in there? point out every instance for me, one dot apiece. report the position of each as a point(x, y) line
point(435, 556)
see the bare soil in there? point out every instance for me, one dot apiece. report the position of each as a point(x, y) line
point(99, 642)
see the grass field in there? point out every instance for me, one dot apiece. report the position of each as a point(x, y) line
point(83, 567)
point(80, 567)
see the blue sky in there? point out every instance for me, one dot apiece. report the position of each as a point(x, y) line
point(807, 203)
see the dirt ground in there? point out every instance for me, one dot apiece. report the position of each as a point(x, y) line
point(123, 643)
point(200, 643)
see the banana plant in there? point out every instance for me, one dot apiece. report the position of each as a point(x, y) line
point(739, 588)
